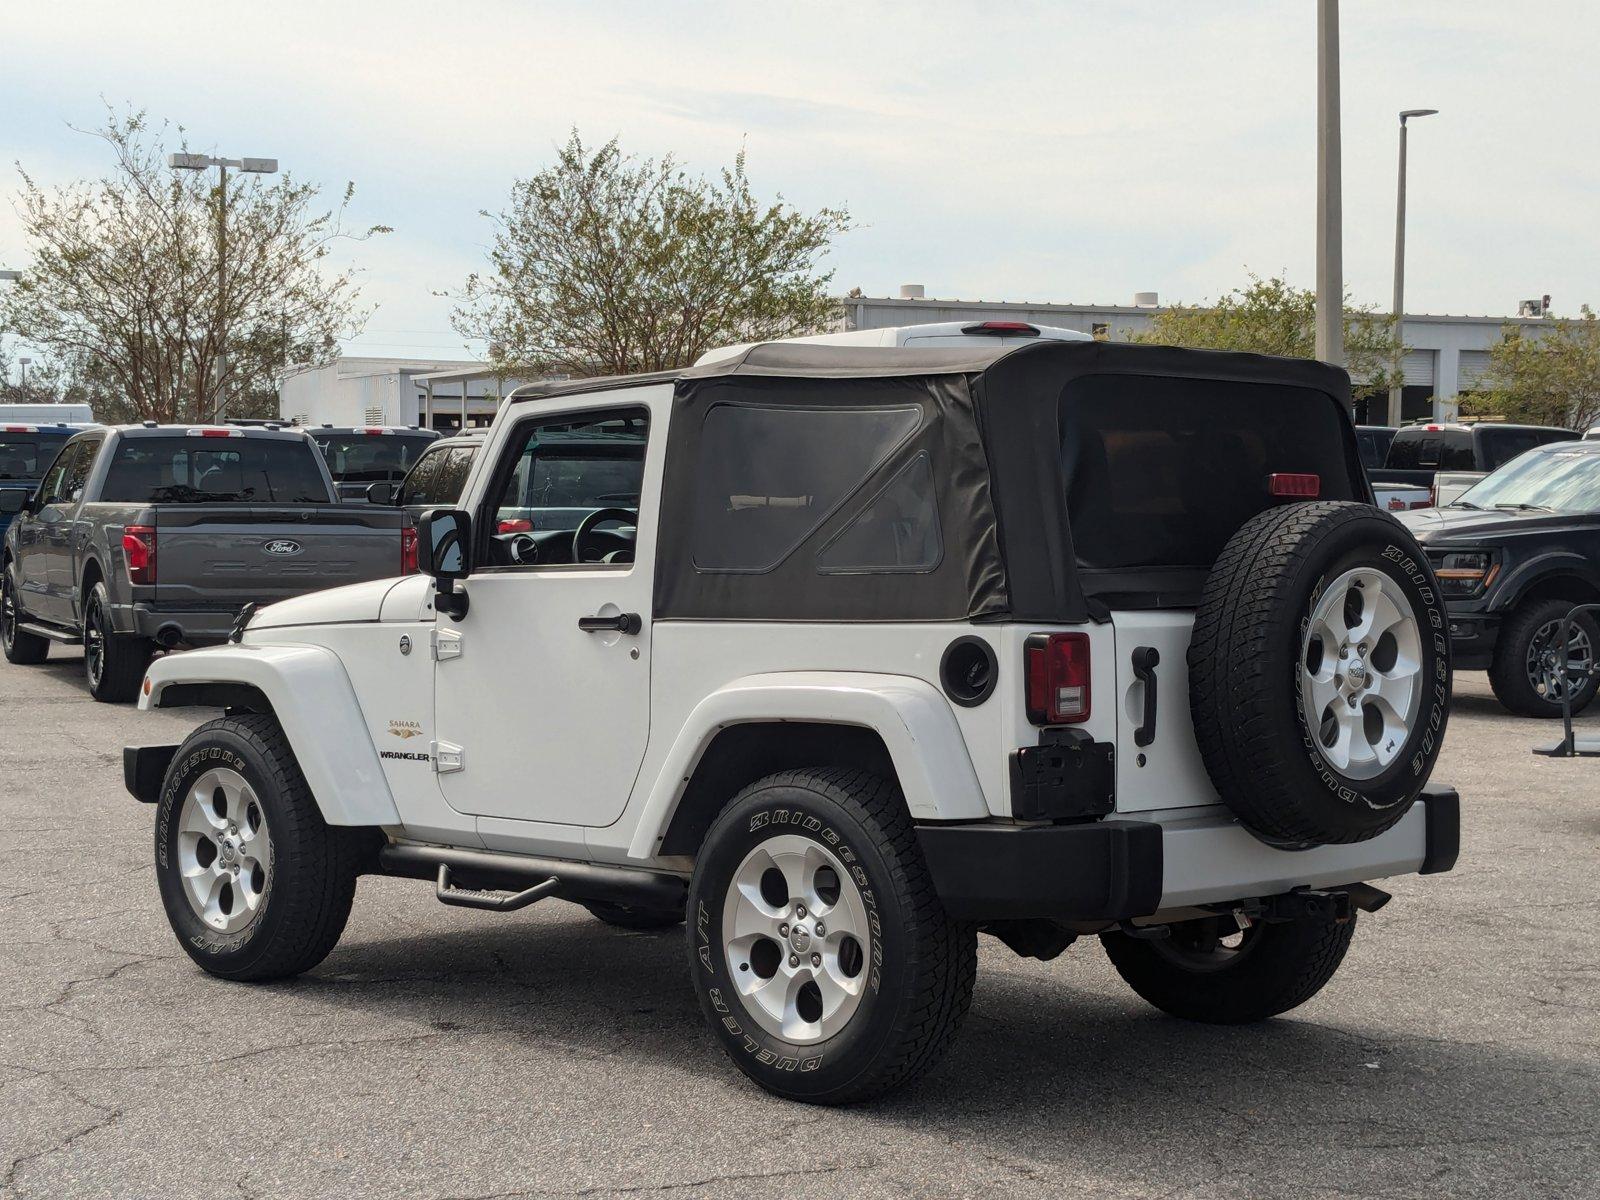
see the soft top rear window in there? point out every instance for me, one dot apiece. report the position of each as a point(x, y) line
point(1160, 472)
point(190, 470)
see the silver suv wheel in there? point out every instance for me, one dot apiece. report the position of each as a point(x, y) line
point(224, 850)
point(796, 939)
point(1361, 672)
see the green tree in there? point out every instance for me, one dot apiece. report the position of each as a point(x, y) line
point(604, 263)
point(1545, 376)
point(1271, 316)
point(123, 294)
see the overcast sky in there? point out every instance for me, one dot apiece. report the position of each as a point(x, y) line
point(1059, 151)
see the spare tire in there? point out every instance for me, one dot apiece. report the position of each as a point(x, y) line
point(1319, 673)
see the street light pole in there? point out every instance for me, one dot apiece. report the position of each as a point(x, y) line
point(251, 166)
point(1395, 395)
point(1330, 214)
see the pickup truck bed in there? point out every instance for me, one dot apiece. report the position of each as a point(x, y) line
point(183, 527)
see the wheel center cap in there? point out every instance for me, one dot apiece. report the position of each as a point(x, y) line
point(227, 848)
point(1357, 673)
point(799, 938)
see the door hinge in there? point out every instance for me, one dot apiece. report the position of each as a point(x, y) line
point(448, 757)
point(447, 643)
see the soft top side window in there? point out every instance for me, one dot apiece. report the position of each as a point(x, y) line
point(770, 476)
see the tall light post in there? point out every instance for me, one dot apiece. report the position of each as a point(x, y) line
point(1395, 397)
point(1330, 204)
point(249, 166)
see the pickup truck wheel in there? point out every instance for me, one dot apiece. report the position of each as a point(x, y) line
point(255, 884)
point(1211, 970)
point(1526, 674)
point(821, 955)
point(113, 662)
point(628, 916)
point(21, 647)
point(1319, 673)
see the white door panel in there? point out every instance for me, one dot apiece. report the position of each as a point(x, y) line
point(1167, 772)
point(551, 721)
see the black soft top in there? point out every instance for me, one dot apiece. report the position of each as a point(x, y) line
point(993, 433)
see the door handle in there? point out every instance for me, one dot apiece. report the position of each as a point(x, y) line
point(1145, 661)
point(628, 623)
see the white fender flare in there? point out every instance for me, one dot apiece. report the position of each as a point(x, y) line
point(911, 716)
point(313, 700)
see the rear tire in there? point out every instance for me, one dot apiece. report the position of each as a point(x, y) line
point(113, 662)
point(23, 648)
point(628, 916)
point(859, 1007)
point(1527, 649)
point(1196, 975)
point(255, 883)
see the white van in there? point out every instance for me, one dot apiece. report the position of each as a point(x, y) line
point(47, 414)
point(926, 337)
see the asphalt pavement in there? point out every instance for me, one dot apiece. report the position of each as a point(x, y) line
point(439, 1052)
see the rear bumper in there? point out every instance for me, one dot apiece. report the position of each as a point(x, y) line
point(194, 626)
point(1134, 867)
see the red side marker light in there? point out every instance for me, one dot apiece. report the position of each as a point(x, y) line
point(1297, 487)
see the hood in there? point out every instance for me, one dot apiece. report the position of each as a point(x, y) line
point(1461, 526)
point(355, 602)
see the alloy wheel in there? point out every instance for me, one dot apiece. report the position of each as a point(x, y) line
point(224, 850)
point(1361, 672)
point(1549, 677)
point(94, 643)
point(797, 940)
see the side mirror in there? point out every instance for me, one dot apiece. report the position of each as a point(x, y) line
point(14, 500)
point(383, 492)
point(444, 550)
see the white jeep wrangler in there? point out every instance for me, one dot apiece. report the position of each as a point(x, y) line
point(849, 654)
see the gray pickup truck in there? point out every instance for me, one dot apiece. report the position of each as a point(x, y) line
point(146, 537)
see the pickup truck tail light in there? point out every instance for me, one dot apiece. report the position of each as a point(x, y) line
point(408, 550)
point(1056, 676)
point(139, 552)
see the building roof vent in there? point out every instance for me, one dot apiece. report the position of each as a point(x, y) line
point(1146, 300)
point(913, 291)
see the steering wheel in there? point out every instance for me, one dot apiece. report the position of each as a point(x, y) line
point(598, 517)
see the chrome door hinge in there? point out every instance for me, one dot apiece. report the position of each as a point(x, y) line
point(448, 757)
point(447, 643)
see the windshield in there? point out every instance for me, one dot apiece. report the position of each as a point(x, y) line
point(371, 457)
point(1565, 478)
point(184, 470)
point(26, 456)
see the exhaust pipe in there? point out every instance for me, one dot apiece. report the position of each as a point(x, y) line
point(169, 635)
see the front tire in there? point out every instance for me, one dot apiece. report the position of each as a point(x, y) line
point(1210, 970)
point(822, 958)
point(255, 884)
point(21, 647)
point(1525, 674)
point(114, 663)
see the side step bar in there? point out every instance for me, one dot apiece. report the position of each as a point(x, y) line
point(490, 901)
point(65, 636)
point(467, 877)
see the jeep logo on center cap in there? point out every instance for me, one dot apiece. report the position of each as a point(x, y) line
point(282, 546)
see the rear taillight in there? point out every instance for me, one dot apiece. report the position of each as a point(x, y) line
point(1433, 496)
point(139, 552)
point(514, 525)
point(408, 550)
point(1297, 487)
point(1056, 675)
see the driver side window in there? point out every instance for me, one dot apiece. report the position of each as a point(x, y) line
point(568, 492)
